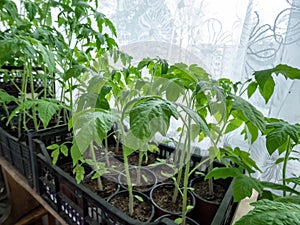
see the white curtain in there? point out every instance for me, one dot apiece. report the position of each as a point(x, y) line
point(229, 38)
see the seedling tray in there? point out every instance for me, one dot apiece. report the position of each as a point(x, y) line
point(82, 206)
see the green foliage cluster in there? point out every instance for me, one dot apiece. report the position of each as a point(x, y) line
point(54, 43)
point(280, 136)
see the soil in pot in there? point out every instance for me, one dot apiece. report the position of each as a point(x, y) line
point(116, 151)
point(161, 196)
point(133, 159)
point(144, 184)
point(142, 211)
point(109, 186)
point(206, 204)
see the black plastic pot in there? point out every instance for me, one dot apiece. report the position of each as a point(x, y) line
point(206, 210)
point(146, 200)
point(159, 211)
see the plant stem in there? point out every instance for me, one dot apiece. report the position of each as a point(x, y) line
point(106, 152)
point(129, 185)
point(29, 70)
point(186, 174)
point(23, 98)
point(210, 180)
point(99, 182)
point(285, 162)
point(179, 175)
point(127, 173)
point(211, 165)
point(139, 175)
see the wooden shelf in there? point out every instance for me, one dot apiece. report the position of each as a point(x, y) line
point(22, 189)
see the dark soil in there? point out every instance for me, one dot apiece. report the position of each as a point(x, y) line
point(133, 159)
point(68, 168)
point(147, 179)
point(118, 152)
point(109, 187)
point(141, 210)
point(201, 188)
point(162, 196)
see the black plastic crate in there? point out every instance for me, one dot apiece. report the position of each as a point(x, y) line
point(21, 153)
point(18, 154)
point(79, 205)
point(90, 208)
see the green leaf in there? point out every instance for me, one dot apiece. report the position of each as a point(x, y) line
point(214, 152)
point(111, 27)
point(279, 160)
point(195, 131)
point(210, 95)
point(251, 89)
point(178, 220)
point(164, 67)
point(150, 115)
point(279, 134)
point(31, 9)
point(75, 72)
point(6, 98)
point(250, 112)
point(268, 212)
point(139, 198)
point(287, 71)
point(233, 125)
point(240, 158)
point(75, 153)
point(172, 92)
point(279, 187)
point(268, 89)
point(220, 172)
point(127, 150)
point(143, 63)
point(289, 199)
point(295, 180)
point(243, 186)
point(91, 125)
point(64, 149)
point(46, 110)
point(28, 104)
point(266, 83)
point(189, 207)
point(199, 72)
point(253, 131)
point(54, 155)
point(197, 119)
point(48, 57)
point(53, 147)
point(79, 171)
